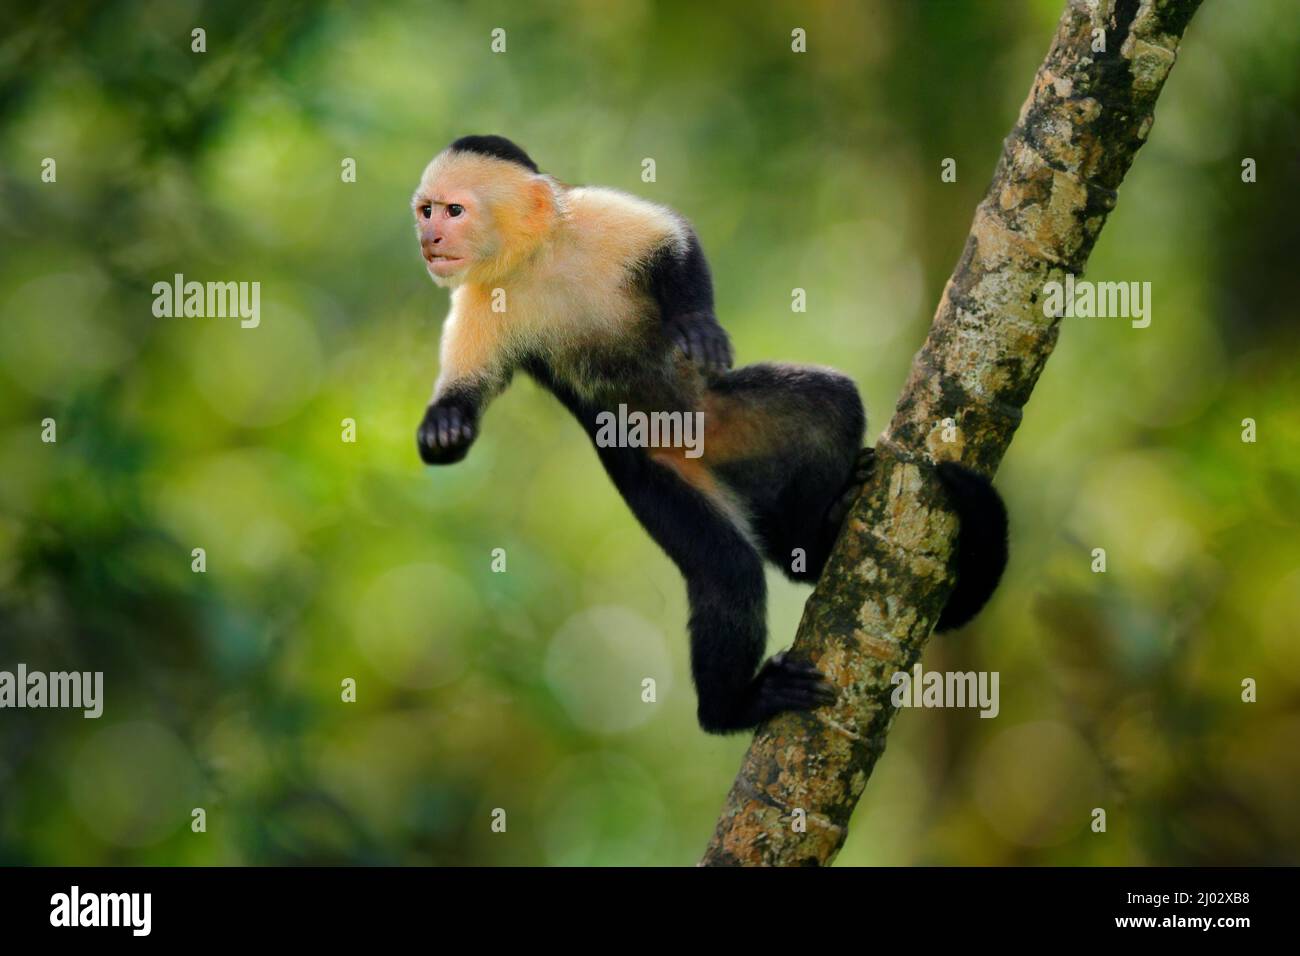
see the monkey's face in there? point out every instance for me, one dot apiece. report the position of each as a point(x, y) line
point(476, 216)
point(449, 227)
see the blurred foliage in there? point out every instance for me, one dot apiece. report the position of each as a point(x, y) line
point(521, 690)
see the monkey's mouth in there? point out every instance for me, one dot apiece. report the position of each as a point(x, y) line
point(438, 263)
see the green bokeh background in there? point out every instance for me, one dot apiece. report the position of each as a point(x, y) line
point(328, 560)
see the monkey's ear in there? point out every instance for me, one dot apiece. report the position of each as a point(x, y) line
point(542, 197)
point(541, 204)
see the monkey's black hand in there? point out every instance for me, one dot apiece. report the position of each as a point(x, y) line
point(704, 341)
point(445, 435)
point(782, 684)
point(839, 508)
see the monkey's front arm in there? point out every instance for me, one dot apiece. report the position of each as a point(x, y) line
point(473, 372)
point(682, 287)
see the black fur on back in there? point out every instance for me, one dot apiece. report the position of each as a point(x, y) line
point(496, 146)
point(681, 284)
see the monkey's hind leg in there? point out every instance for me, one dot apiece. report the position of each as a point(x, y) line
point(728, 596)
point(728, 633)
point(811, 466)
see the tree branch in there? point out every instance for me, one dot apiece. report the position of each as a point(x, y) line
point(871, 614)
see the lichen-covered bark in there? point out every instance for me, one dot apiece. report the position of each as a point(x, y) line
point(872, 612)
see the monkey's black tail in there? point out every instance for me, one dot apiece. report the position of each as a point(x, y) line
point(981, 542)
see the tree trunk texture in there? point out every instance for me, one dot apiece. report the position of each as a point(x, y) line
point(1087, 114)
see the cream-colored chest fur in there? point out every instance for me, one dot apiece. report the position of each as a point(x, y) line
point(573, 296)
point(580, 292)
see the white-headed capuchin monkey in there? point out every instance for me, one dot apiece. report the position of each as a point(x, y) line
point(607, 302)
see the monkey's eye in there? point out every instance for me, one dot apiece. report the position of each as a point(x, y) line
point(454, 209)
point(426, 211)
